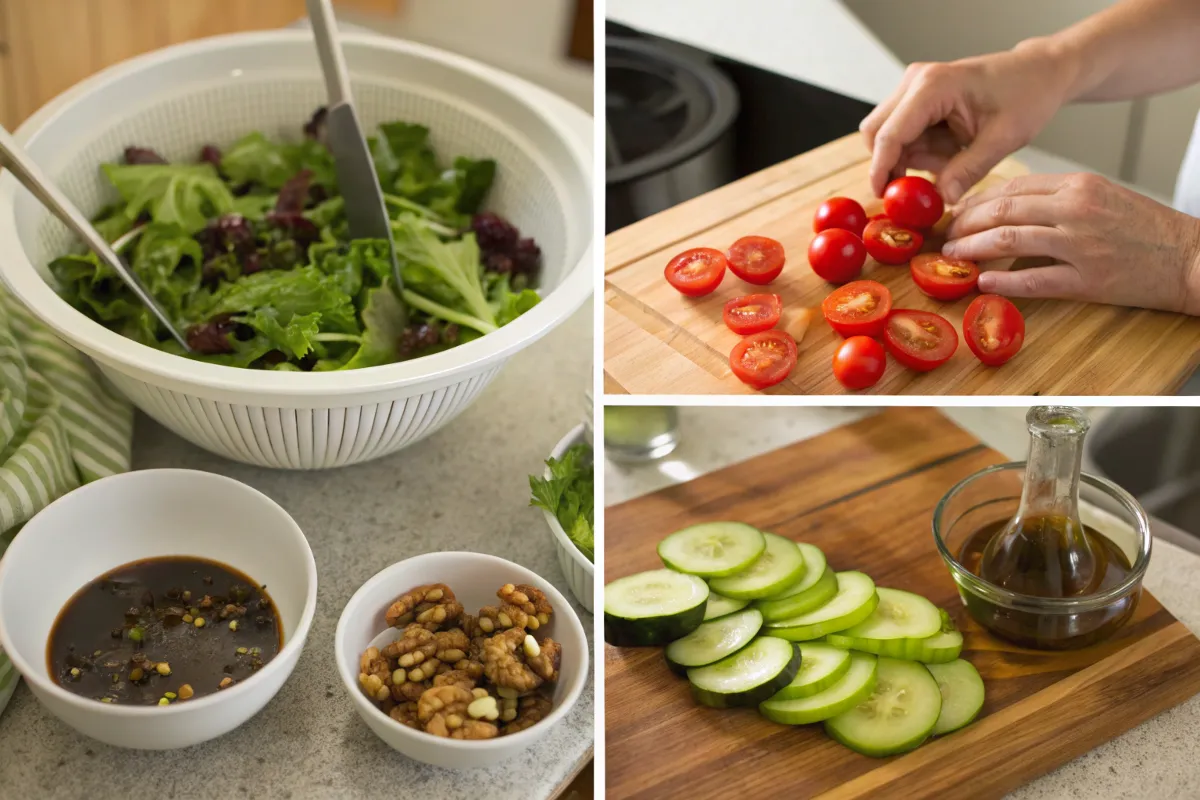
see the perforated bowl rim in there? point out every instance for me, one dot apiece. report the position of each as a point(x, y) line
point(23, 279)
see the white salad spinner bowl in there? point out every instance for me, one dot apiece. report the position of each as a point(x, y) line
point(575, 565)
point(215, 91)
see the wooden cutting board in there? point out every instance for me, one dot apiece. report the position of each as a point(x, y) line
point(658, 342)
point(864, 494)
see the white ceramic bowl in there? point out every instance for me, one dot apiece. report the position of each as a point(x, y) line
point(216, 90)
point(474, 577)
point(579, 571)
point(139, 515)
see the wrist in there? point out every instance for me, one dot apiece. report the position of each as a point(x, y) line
point(1191, 268)
point(1059, 61)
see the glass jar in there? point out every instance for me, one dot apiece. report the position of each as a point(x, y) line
point(640, 433)
point(1049, 623)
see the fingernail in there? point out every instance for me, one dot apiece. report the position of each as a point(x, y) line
point(951, 192)
point(986, 282)
point(949, 248)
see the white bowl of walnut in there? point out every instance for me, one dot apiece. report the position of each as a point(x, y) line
point(460, 660)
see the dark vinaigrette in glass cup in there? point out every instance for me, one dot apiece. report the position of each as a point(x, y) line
point(163, 630)
point(1045, 550)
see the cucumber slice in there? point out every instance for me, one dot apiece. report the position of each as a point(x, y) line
point(712, 549)
point(780, 566)
point(652, 608)
point(719, 605)
point(855, 600)
point(714, 640)
point(900, 713)
point(899, 615)
point(962, 694)
point(821, 666)
point(814, 590)
point(943, 646)
point(849, 690)
point(747, 677)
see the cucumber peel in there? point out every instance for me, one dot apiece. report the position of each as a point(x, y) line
point(943, 646)
point(653, 608)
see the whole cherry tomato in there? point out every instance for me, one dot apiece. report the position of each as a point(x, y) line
point(837, 255)
point(913, 202)
point(840, 212)
point(859, 362)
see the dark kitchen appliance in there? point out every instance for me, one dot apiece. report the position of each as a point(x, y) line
point(682, 122)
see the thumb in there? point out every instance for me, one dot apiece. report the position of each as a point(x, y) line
point(971, 164)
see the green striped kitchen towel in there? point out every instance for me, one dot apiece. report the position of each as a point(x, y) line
point(60, 427)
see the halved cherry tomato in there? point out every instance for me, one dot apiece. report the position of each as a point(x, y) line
point(859, 362)
point(860, 308)
point(764, 359)
point(756, 259)
point(753, 313)
point(913, 202)
point(840, 212)
point(696, 272)
point(889, 243)
point(994, 329)
point(919, 340)
point(837, 255)
point(942, 277)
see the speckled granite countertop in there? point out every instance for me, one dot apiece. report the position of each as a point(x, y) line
point(1156, 759)
point(464, 488)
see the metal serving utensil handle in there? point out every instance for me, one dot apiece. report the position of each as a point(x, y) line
point(333, 61)
point(31, 177)
point(366, 210)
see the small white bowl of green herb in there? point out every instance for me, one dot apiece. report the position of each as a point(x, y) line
point(566, 495)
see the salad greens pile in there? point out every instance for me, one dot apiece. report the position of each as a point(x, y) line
point(568, 494)
point(248, 252)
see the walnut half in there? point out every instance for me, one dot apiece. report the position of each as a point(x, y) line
point(430, 606)
point(503, 662)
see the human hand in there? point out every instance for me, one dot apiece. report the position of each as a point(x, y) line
point(1109, 244)
point(959, 119)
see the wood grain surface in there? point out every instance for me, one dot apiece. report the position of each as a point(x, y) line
point(658, 342)
point(46, 46)
point(864, 494)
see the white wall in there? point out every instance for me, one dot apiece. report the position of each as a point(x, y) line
point(815, 41)
point(1095, 134)
point(528, 38)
